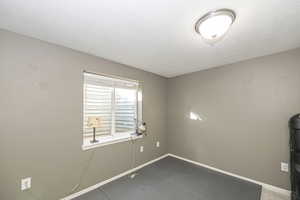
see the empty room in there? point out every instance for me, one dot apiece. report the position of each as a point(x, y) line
point(150, 100)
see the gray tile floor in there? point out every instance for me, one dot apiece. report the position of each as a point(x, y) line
point(174, 179)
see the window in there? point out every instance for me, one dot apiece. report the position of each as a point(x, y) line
point(116, 102)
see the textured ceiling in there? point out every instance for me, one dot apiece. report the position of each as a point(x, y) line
point(157, 35)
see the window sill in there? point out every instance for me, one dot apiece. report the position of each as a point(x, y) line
point(108, 140)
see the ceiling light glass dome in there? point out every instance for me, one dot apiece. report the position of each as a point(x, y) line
point(215, 24)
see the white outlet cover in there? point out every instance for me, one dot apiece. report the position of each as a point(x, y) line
point(157, 144)
point(284, 167)
point(26, 183)
point(142, 149)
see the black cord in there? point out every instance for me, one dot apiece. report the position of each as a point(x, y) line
point(133, 154)
point(83, 173)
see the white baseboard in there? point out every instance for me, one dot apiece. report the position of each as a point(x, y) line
point(265, 185)
point(93, 187)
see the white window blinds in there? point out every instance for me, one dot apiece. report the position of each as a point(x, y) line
point(113, 100)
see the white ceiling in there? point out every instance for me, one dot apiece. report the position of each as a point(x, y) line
point(157, 35)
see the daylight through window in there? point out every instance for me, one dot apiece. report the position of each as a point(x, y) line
point(115, 102)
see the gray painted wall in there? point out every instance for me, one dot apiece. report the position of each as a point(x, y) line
point(41, 119)
point(245, 109)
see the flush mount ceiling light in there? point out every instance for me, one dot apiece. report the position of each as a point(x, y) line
point(215, 24)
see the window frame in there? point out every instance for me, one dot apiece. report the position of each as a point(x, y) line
point(114, 137)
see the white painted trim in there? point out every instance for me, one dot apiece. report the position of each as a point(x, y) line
point(265, 185)
point(113, 140)
point(93, 187)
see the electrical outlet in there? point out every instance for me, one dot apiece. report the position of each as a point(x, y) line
point(26, 183)
point(142, 149)
point(284, 167)
point(157, 144)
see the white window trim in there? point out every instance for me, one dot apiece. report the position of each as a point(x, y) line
point(120, 137)
point(108, 141)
